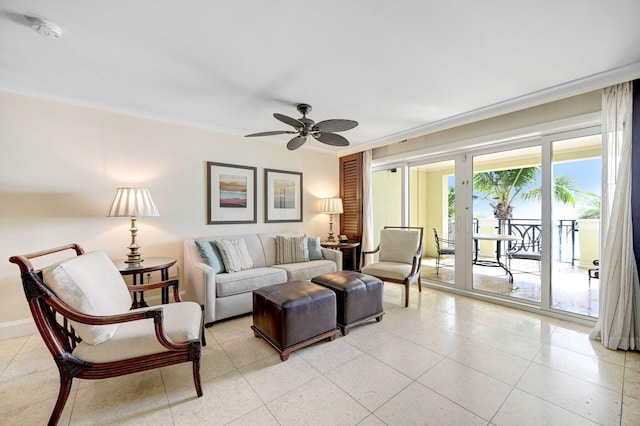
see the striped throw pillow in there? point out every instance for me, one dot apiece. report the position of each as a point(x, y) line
point(291, 250)
point(235, 255)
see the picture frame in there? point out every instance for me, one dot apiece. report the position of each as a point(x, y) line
point(231, 194)
point(282, 196)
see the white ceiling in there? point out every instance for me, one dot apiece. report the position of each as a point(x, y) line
point(400, 68)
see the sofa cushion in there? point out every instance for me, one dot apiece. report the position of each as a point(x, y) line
point(91, 284)
point(248, 280)
point(235, 255)
point(211, 255)
point(291, 250)
point(315, 250)
point(307, 270)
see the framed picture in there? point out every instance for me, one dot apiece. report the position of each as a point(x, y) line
point(282, 196)
point(231, 194)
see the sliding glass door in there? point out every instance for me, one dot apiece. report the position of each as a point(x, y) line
point(432, 201)
point(575, 237)
point(507, 207)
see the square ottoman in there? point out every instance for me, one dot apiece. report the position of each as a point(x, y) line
point(292, 315)
point(358, 297)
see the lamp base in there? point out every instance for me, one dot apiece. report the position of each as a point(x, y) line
point(331, 238)
point(133, 257)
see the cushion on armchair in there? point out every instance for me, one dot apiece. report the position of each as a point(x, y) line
point(91, 284)
point(397, 245)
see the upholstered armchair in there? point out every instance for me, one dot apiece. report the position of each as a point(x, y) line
point(81, 309)
point(399, 257)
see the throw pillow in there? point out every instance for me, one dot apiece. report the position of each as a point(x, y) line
point(91, 284)
point(235, 255)
point(211, 255)
point(291, 250)
point(315, 250)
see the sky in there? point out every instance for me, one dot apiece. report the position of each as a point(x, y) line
point(587, 177)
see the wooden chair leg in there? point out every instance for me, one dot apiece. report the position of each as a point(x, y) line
point(63, 395)
point(406, 296)
point(196, 377)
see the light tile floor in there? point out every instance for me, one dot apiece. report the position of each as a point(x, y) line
point(445, 360)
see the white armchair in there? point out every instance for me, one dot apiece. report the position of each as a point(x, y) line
point(81, 309)
point(399, 259)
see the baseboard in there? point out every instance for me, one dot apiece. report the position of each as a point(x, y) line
point(20, 328)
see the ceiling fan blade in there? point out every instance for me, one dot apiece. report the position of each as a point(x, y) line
point(275, 132)
point(335, 125)
point(288, 120)
point(332, 139)
point(296, 142)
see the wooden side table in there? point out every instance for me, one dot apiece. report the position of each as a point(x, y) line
point(150, 264)
point(352, 245)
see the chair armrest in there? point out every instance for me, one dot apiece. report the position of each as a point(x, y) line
point(74, 315)
point(154, 313)
point(363, 255)
point(160, 284)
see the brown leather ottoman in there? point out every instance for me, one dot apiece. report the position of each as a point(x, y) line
point(293, 315)
point(358, 297)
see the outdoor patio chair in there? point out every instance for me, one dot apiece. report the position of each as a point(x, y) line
point(528, 247)
point(399, 259)
point(81, 309)
point(594, 272)
point(444, 247)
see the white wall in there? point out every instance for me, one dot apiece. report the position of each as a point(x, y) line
point(60, 165)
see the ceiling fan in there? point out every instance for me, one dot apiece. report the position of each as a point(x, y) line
point(305, 127)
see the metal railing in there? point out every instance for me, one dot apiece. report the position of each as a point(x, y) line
point(530, 232)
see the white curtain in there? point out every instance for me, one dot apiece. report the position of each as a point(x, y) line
point(367, 205)
point(618, 326)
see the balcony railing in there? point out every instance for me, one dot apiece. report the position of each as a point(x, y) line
point(530, 232)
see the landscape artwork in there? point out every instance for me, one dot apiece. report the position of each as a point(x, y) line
point(284, 194)
point(233, 191)
point(231, 194)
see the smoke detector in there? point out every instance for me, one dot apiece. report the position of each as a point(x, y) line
point(44, 27)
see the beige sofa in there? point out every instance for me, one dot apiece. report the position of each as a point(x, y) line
point(225, 295)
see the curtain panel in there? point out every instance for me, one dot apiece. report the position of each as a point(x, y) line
point(367, 205)
point(618, 326)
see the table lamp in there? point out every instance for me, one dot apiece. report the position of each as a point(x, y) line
point(132, 202)
point(331, 206)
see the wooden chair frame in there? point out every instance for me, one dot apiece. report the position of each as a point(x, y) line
point(52, 316)
point(416, 264)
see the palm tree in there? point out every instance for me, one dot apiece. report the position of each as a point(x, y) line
point(592, 210)
point(451, 202)
point(504, 186)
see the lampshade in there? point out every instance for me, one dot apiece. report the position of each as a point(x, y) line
point(131, 202)
point(331, 206)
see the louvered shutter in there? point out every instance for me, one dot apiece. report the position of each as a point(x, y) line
point(351, 194)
